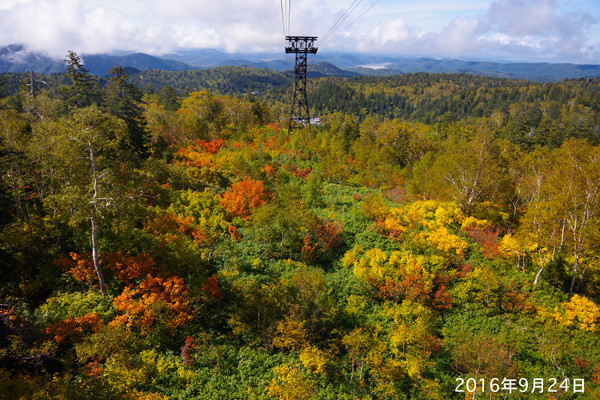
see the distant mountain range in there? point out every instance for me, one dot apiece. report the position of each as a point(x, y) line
point(15, 58)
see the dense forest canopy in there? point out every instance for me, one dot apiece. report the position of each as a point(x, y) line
point(163, 235)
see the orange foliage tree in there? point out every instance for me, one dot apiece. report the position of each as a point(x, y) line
point(199, 154)
point(74, 328)
point(79, 266)
point(143, 303)
point(154, 299)
point(199, 159)
point(125, 267)
point(128, 268)
point(170, 227)
point(243, 196)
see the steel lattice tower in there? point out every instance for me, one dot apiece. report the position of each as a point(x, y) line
point(301, 46)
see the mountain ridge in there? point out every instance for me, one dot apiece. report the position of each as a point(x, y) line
point(15, 58)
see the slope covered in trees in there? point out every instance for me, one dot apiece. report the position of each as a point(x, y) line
point(221, 80)
point(168, 245)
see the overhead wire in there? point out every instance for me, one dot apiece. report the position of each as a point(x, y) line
point(340, 22)
point(286, 15)
point(283, 19)
point(289, 24)
point(342, 18)
point(363, 13)
point(286, 11)
point(286, 8)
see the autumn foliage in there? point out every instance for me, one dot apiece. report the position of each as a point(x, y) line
point(126, 268)
point(152, 300)
point(322, 238)
point(211, 287)
point(369, 257)
point(171, 227)
point(487, 238)
point(243, 196)
point(144, 300)
point(74, 328)
point(199, 154)
point(79, 266)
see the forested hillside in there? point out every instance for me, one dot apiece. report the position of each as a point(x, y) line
point(221, 80)
point(436, 237)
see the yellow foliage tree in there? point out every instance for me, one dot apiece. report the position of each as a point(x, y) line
point(579, 310)
point(127, 375)
point(314, 359)
point(444, 241)
point(426, 223)
point(364, 349)
point(291, 334)
point(290, 384)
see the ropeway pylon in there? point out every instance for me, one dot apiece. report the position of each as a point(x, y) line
point(301, 46)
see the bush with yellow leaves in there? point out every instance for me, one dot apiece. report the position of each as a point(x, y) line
point(580, 312)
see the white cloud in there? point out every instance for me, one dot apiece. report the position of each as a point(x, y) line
point(195, 38)
point(103, 30)
point(458, 38)
point(522, 17)
point(541, 26)
point(524, 29)
point(397, 30)
point(43, 25)
point(535, 29)
point(10, 4)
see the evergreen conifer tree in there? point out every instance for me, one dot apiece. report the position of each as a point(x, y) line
point(83, 91)
point(122, 100)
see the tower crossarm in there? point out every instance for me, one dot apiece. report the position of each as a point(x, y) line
point(301, 44)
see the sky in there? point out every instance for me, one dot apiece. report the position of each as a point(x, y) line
point(500, 30)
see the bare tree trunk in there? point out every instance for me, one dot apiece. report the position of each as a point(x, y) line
point(95, 257)
point(537, 276)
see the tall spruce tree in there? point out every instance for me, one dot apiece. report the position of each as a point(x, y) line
point(83, 91)
point(122, 99)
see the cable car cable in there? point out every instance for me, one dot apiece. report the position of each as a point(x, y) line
point(342, 18)
point(282, 18)
point(356, 19)
point(289, 26)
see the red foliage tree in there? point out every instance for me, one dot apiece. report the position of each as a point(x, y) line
point(211, 287)
point(186, 350)
point(233, 233)
point(486, 238)
point(322, 237)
